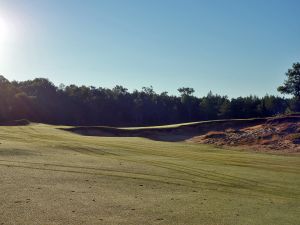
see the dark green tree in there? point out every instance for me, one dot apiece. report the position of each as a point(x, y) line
point(292, 83)
point(39, 100)
point(186, 91)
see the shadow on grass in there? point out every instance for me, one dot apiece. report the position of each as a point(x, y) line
point(174, 133)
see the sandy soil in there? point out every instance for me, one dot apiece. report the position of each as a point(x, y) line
point(279, 136)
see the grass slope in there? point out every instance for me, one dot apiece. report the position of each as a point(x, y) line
point(173, 132)
point(177, 126)
point(50, 176)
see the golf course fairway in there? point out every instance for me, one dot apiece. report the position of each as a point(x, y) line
point(50, 176)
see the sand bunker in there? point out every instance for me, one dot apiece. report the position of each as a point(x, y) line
point(277, 133)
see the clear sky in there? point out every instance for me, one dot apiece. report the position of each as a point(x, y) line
point(232, 47)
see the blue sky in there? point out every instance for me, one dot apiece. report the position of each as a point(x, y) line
point(233, 48)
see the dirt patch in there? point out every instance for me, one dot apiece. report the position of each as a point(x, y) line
point(215, 134)
point(279, 134)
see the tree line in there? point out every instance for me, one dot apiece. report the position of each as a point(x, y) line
point(39, 100)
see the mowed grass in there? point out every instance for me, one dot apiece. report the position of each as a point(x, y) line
point(190, 124)
point(51, 176)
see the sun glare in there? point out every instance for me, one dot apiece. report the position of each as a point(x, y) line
point(4, 31)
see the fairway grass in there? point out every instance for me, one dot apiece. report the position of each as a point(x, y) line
point(52, 176)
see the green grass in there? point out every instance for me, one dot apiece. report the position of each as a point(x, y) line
point(183, 125)
point(178, 125)
point(73, 179)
